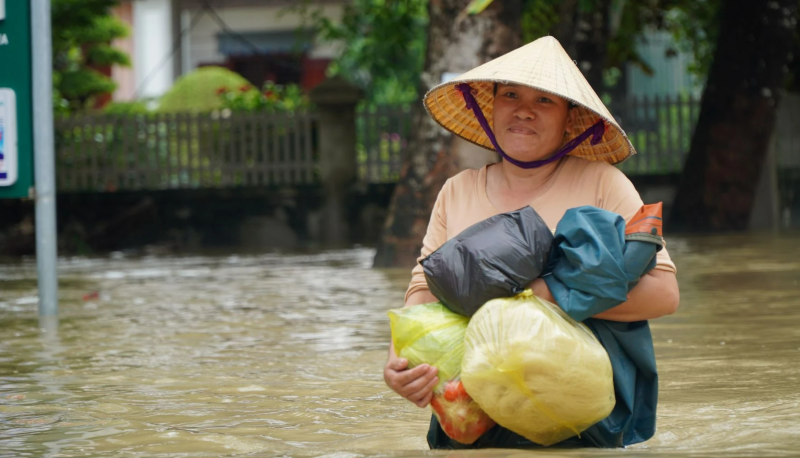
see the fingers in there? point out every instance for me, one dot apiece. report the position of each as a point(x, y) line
point(417, 386)
point(393, 368)
point(425, 401)
point(409, 376)
point(399, 380)
point(397, 364)
point(423, 396)
point(391, 373)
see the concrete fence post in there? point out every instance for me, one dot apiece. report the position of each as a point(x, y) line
point(336, 101)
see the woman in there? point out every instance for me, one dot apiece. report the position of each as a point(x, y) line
point(542, 112)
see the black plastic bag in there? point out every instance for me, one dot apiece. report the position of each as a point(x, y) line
point(497, 257)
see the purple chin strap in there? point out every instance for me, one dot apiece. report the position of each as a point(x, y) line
point(595, 131)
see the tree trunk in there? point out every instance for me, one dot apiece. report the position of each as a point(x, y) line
point(453, 47)
point(737, 116)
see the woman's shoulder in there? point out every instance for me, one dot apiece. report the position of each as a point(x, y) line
point(466, 179)
point(593, 170)
point(584, 164)
point(466, 176)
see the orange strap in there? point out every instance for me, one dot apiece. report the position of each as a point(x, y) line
point(647, 220)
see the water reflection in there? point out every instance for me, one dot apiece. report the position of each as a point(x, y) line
point(273, 355)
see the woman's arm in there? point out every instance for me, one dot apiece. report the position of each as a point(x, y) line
point(655, 295)
point(417, 384)
point(435, 237)
point(422, 296)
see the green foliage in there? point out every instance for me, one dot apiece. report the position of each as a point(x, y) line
point(538, 18)
point(82, 33)
point(100, 29)
point(271, 98)
point(476, 6)
point(383, 45)
point(693, 23)
point(695, 26)
point(60, 105)
point(69, 14)
point(199, 90)
point(105, 55)
point(126, 108)
point(384, 40)
point(78, 83)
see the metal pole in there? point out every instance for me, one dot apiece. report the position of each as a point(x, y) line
point(44, 157)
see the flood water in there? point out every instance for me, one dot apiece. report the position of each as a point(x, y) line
point(282, 355)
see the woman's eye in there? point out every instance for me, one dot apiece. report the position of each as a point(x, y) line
point(512, 95)
point(544, 99)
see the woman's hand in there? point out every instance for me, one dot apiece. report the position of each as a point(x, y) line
point(415, 384)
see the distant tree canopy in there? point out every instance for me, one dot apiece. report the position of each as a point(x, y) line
point(83, 31)
point(384, 44)
point(384, 41)
point(695, 26)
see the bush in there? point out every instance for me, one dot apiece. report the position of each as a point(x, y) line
point(198, 90)
point(126, 108)
point(271, 98)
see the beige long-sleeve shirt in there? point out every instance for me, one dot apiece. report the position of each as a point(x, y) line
point(463, 201)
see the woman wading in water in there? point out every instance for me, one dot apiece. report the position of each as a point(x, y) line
point(558, 144)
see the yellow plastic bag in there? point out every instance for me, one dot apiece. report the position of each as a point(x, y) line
point(432, 334)
point(536, 371)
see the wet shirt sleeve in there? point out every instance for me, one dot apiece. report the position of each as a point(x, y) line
point(435, 237)
point(616, 193)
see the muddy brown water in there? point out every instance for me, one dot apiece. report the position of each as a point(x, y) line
point(282, 355)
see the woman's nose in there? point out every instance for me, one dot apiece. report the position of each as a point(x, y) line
point(523, 112)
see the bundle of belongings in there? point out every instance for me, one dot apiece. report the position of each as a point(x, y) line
point(544, 373)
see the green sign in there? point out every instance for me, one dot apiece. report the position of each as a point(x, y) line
point(16, 134)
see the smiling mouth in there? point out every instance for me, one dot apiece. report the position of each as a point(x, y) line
point(521, 130)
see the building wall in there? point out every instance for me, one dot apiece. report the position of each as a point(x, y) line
point(671, 75)
point(152, 38)
point(203, 46)
point(155, 24)
point(125, 76)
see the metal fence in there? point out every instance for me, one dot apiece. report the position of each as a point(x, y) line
point(170, 151)
point(660, 129)
point(382, 136)
point(787, 159)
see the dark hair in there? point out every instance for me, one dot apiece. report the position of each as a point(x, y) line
point(570, 106)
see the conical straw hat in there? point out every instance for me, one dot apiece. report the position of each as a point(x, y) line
point(542, 64)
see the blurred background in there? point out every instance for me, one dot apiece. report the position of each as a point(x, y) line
point(188, 124)
point(244, 185)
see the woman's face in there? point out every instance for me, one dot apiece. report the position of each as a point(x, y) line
point(530, 124)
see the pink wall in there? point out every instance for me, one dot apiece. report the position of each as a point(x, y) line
point(125, 77)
